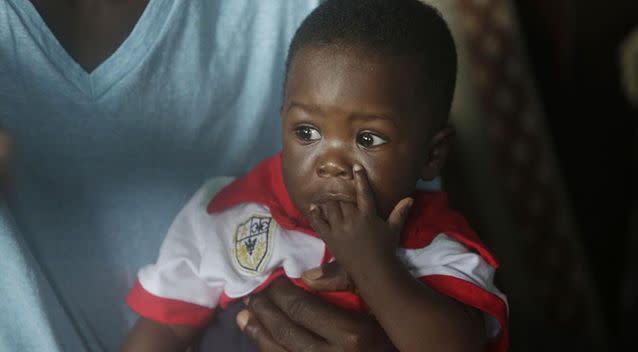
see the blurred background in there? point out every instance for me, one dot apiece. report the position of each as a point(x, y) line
point(545, 163)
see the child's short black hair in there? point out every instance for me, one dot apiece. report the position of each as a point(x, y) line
point(394, 27)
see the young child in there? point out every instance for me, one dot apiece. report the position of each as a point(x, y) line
point(369, 85)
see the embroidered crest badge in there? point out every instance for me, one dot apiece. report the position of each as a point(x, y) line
point(253, 243)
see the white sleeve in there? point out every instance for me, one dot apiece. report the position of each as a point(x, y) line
point(452, 269)
point(173, 288)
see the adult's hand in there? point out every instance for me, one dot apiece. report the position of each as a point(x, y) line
point(284, 317)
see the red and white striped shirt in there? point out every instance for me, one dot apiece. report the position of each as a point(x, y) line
point(250, 233)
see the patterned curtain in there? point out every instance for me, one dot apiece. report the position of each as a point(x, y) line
point(504, 177)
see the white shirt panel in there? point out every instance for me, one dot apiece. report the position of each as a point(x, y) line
point(197, 261)
point(446, 256)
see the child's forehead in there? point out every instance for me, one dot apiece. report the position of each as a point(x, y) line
point(354, 78)
point(355, 56)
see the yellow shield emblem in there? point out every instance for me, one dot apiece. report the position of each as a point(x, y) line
point(253, 242)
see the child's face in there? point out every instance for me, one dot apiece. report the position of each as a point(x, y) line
point(344, 107)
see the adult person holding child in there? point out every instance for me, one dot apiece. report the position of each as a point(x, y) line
point(117, 112)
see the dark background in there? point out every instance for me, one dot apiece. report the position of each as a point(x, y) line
point(573, 49)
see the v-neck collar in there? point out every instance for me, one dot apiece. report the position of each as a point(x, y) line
point(126, 57)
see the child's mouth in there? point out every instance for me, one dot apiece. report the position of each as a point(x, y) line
point(334, 196)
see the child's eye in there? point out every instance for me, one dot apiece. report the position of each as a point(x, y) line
point(368, 140)
point(307, 133)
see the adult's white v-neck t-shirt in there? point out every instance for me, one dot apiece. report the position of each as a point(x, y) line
point(104, 160)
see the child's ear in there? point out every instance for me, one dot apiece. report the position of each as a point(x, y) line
point(438, 149)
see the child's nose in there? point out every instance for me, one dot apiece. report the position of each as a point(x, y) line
point(332, 168)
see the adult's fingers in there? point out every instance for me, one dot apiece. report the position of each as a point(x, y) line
point(341, 330)
point(255, 331)
point(328, 277)
point(311, 312)
point(399, 214)
point(365, 199)
point(283, 329)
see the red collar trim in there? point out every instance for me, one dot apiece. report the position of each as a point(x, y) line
point(429, 216)
point(263, 185)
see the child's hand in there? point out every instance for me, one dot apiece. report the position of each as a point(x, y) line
point(328, 277)
point(354, 233)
